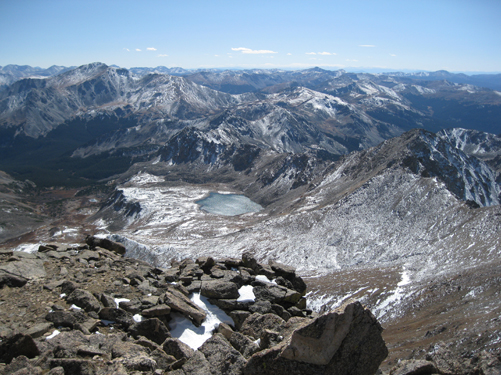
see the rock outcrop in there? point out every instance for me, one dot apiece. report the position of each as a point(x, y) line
point(90, 310)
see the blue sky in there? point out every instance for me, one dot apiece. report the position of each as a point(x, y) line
point(455, 35)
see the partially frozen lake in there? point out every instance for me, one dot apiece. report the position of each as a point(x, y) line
point(228, 204)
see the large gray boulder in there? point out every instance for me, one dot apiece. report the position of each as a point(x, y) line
point(345, 341)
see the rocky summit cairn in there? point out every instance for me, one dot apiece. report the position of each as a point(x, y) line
point(90, 310)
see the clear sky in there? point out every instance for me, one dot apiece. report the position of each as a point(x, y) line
point(455, 35)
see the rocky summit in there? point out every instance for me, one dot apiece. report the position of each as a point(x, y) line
point(90, 310)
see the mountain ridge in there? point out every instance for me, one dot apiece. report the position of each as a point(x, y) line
point(140, 113)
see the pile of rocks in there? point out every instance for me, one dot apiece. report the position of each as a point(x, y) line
point(90, 310)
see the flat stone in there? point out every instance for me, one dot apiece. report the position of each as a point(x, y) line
point(179, 302)
point(172, 274)
point(275, 293)
point(225, 330)
point(230, 304)
point(158, 310)
point(38, 330)
point(24, 269)
point(262, 307)
point(220, 289)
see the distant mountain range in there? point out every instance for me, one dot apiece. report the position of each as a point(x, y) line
point(69, 122)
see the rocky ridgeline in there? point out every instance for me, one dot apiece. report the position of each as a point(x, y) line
point(90, 310)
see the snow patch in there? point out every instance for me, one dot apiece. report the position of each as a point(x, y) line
point(184, 330)
point(246, 294)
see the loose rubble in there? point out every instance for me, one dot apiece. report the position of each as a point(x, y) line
point(91, 310)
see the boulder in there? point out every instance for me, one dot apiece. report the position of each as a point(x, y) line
point(249, 261)
point(68, 286)
point(243, 344)
point(222, 357)
point(38, 330)
point(21, 366)
point(162, 359)
point(84, 299)
point(256, 323)
point(179, 302)
point(10, 280)
point(225, 330)
point(318, 341)
point(262, 307)
point(120, 316)
point(177, 348)
point(230, 304)
point(275, 293)
point(133, 306)
point(61, 318)
point(74, 365)
point(205, 263)
point(298, 284)
point(284, 282)
point(345, 341)
point(105, 243)
point(172, 274)
point(281, 269)
point(107, 300)
point(158, 310)
point(27, 268)
point(220, 289)
point(197, 364)
point(239, 316)
point(88, 255)
point(17, 345)
point(122, 348)
point(232, 262)
point(414, 367)
point(153, 329)
point(137, 362)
